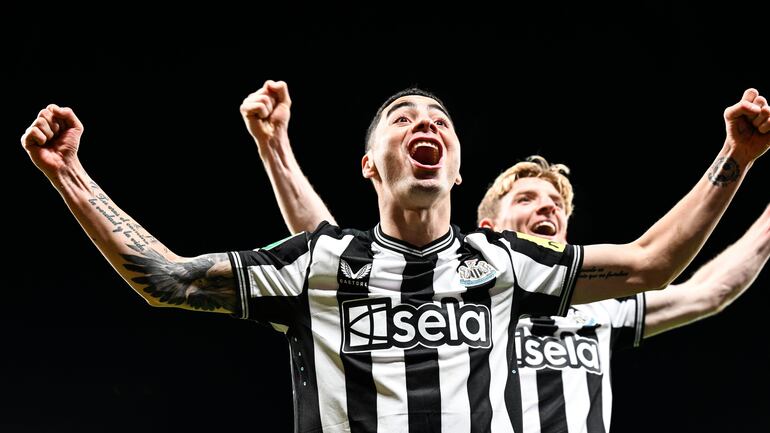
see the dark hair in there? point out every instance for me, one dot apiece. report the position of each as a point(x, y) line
point(405, 92)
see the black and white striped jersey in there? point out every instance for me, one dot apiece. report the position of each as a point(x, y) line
point(564, 364)
point(388, 337)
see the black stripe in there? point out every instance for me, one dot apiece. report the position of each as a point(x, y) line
point(480, 374)
point(359, 382)
point(283, 254)
point(550, 392)
point(513, 385)
point(536, 304)
point(422, 371)
point(595, 418)
point(307, 410)
point(543, 255)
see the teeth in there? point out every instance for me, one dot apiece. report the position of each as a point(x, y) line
point(419, 144)
point(545, 227)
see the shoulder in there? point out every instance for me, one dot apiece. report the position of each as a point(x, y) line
point(327, 229)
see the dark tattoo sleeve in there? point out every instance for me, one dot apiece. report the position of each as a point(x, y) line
point(724, 171)
point(205, 283)
point(593, 273)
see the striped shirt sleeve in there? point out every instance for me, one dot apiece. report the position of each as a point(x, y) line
point(545, 273)
point(627, 320)
point(269, 280)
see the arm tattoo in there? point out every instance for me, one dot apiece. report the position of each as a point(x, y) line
point(724, 171)
point(593, 273)
point(134, 233)
point(205, 283)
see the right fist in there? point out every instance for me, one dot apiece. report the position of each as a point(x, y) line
point(267, 111)
point(748, 124)
point(53, 138)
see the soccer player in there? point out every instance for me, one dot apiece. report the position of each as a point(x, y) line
point(563, 361)
point(407, 326)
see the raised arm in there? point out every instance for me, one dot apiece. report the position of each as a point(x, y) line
point(266, 113)
point(661, 253)
point(161, 277)
point(714, 286)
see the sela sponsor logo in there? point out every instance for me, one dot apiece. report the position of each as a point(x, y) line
point(569, 351)
point(475, 272)
point(357, 278)
point(375, 324)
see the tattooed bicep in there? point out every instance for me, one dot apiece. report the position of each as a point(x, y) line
point(204, 283)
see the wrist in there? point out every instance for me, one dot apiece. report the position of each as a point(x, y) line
point(730, 150)
point(71, 177)
point(277, 151)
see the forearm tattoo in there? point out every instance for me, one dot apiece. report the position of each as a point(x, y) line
point(594, 273)
point(724, 171)
point(205, 283)
point(134, 233)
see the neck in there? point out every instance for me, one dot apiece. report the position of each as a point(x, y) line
point(418, 226)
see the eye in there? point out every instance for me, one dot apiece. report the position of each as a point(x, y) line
point(442, 122)
point(523, 199)
point(401, 119)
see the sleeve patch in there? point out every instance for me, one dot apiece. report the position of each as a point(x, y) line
point(547, 243)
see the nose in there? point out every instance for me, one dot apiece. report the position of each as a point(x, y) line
point(545, 206)
point(425, 124)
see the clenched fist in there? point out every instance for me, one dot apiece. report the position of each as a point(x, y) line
point(52, 140)
point(266, 113)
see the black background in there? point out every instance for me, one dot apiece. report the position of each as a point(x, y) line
point(630, 98)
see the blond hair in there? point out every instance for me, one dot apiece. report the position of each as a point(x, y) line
point(534, 166)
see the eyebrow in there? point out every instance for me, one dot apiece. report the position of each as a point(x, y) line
point(412, 105)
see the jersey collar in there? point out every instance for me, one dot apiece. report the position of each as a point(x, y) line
point(400, 246)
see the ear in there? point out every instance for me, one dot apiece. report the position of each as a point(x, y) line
point(459, 179)
point(368, 170)
point(487, 223)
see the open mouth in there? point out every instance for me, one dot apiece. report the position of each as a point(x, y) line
point(425, 152)
point(544, 228)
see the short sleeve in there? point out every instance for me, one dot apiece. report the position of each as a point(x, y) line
point(545, 273)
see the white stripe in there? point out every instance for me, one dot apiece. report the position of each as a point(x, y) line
point(529, 398)
point(325, 324)
point(501, 299)
point(388, 368)
point(454, 369)
point(266, 280)
point(608, 314)
point(538, 278)
point(641, 301)
point(576, 401)
point(495, 256)
point(498, 360)
point(453, 361)
point(243, 292)
point(605, 353)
